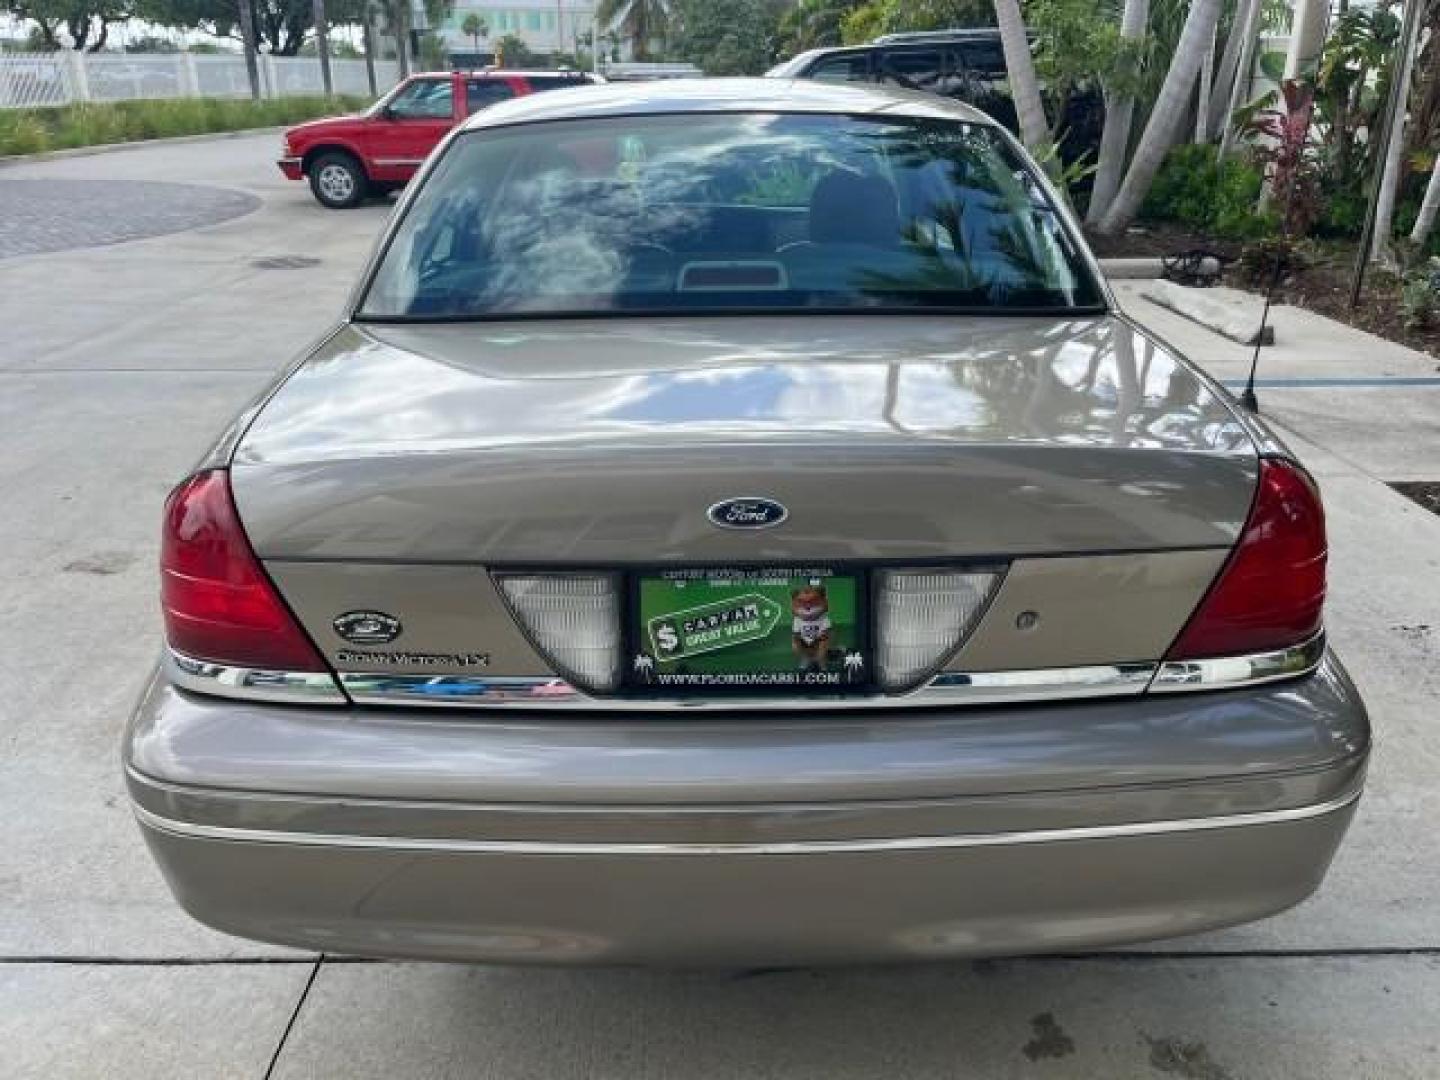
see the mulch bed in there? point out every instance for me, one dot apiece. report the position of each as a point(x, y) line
point(1323, 286)
point(1154, 239)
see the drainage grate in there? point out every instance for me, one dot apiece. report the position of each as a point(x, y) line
point(285, 262)
point(1424, 492)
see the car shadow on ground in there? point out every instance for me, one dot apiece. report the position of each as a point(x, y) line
point(1197, 1017)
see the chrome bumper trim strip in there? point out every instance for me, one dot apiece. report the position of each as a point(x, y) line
point(1225, 672)
point(548, 692)
point(793, 847)
point(252, 684)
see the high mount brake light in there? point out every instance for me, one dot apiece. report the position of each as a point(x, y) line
point(1270, 593)
point(218, 603)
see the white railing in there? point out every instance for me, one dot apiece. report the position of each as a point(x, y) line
point(29, 80)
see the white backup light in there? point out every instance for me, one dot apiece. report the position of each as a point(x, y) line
point(924, 616)
point(574, 620)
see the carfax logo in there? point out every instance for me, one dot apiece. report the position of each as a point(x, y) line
point(716, 625)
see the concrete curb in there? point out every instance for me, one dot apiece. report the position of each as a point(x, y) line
point(1132, 269)
point(1234, 315)
point(139, 144)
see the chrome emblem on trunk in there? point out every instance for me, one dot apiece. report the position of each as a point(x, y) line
point(367, 627)
point(747, 512)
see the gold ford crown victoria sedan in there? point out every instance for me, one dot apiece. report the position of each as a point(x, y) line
point(733, 524)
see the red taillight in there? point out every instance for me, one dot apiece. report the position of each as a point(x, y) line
point(1270, 593)
point(218, 603)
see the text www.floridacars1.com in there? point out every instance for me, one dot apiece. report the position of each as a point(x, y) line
point(750, 678)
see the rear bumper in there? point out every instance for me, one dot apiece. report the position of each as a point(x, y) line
point(964, 833)
point(292, 168)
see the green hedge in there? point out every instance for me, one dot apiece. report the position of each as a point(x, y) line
point(31, 131)
point(1213, 199)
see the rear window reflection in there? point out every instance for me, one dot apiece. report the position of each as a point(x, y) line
point(703, 212)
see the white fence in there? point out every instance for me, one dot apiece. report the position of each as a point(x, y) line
point(59, 78)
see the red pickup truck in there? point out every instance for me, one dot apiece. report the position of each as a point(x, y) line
point(348, 158)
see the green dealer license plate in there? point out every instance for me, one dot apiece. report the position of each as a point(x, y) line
point(798, 629)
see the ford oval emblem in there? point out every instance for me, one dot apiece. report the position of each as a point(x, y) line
point(367, 627)
point(747, 512)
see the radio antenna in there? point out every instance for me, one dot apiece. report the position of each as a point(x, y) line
point(1248, 400)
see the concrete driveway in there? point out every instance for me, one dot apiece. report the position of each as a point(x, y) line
point(118, 363)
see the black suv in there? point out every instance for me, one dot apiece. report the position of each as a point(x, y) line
point(968, 65)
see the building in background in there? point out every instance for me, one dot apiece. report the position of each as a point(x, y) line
point(546, 26)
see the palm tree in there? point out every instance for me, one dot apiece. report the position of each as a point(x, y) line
point(474, 28)
point(1119, 112)
point(641, 21)
point(1024, 86)
point(1166, 116)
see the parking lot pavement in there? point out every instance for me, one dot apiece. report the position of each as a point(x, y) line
point(60, 215)
point(119, 363)
point(128, 1023)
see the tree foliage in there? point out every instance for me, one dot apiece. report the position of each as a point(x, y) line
point(725, 37)
point(512, 52)
point(1076, 47)
point(641, 22)
point(281, 26)
point(85, 24)
point(894, 16)
point(812, 24)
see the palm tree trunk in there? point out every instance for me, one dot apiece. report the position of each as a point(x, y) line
point(1428, 209)
point(1242, 31)
point(1119, 113)
point(1240, 88)
point(1024, 86)
point(1307, 38)
point(1168, 113)
point(1394, 157)
point(1202, 103)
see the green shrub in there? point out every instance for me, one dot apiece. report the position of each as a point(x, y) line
point(1342, 211)
point(1420, 294)
point(1271, 259)
point(1214, 199)
point(32, 131)
point(22, 132)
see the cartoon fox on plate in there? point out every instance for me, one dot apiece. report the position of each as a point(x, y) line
point(810, 626)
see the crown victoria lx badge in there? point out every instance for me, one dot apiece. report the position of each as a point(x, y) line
point(747, 512)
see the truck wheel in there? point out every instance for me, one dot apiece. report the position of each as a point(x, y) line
point(338, 181)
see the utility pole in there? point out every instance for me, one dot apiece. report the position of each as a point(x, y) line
point(247, 39)
point(322, 46)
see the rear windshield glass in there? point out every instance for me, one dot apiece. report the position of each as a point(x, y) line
point(688, 213)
